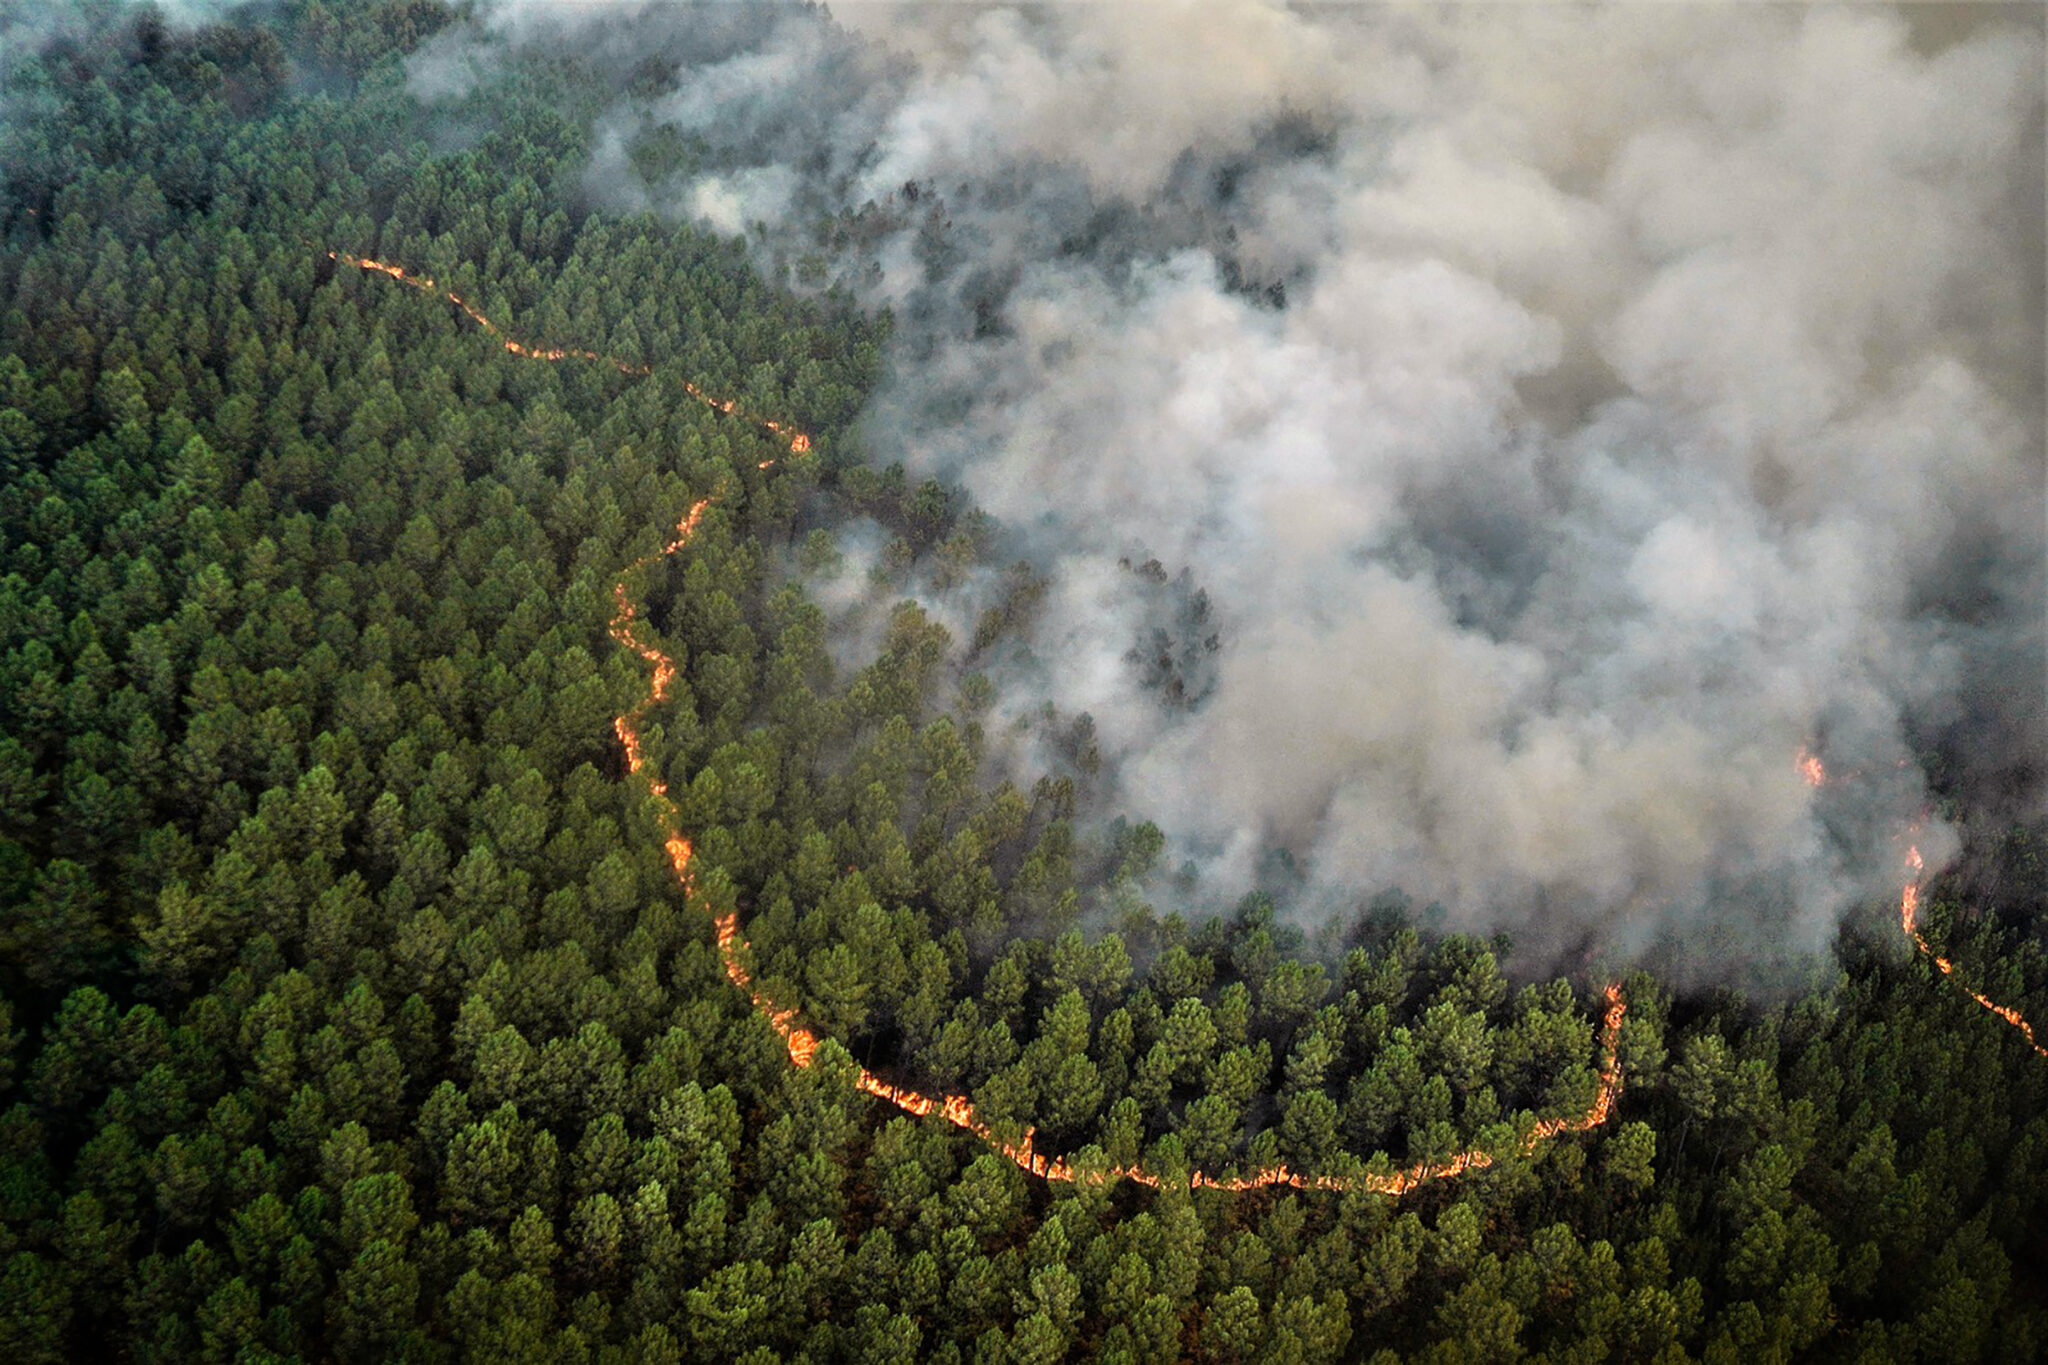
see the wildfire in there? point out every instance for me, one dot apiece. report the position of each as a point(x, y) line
point(1909, 921)
point(734, 950)
point(797, 441)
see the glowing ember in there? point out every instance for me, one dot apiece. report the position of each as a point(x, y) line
point(1909, 920)
point(1909, 914)
point(797, 441)
point(734, 950)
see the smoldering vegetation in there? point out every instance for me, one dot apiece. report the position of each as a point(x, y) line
point(1539, 422)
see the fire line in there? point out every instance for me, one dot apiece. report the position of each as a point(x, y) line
point(798, 441)
point(1909, 920)
point(1816, 775)
point(734, 950)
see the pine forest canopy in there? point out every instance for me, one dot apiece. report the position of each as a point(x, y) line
point(355, 1003)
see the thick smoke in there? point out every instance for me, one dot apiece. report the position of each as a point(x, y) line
point(1567, 412)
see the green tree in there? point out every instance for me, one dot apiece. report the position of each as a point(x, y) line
point(375, 1301)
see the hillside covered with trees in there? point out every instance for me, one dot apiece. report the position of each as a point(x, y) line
point(351, 1008)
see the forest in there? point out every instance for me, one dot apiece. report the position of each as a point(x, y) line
point(351, 1006)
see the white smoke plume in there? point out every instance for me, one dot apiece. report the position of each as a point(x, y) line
point(1568, 412)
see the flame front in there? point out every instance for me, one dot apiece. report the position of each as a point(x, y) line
point(1909, 920)
point(797, 441)
point(734, 951)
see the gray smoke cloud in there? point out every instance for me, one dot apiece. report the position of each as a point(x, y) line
point(1567, 412)
point(28, 28)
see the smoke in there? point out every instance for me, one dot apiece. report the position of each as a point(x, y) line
point(25, 29)
point(1563, 413)
point(29, 32)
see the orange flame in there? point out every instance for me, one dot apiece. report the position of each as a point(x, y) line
point(1909, 917)
point(1909, 920)
point(797, 441)
point(734, 950)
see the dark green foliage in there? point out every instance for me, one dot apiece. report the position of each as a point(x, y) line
point(350, 1010)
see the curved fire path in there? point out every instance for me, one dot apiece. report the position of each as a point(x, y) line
point(1816, 775)
point(1909, 920)
point(626, 628)
point(798, 441)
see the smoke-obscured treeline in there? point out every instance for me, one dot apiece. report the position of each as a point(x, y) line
point(350, 1012)
point(1564, 413)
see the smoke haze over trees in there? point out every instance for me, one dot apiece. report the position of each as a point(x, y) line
point(1568, 413)
point(1366, 420)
